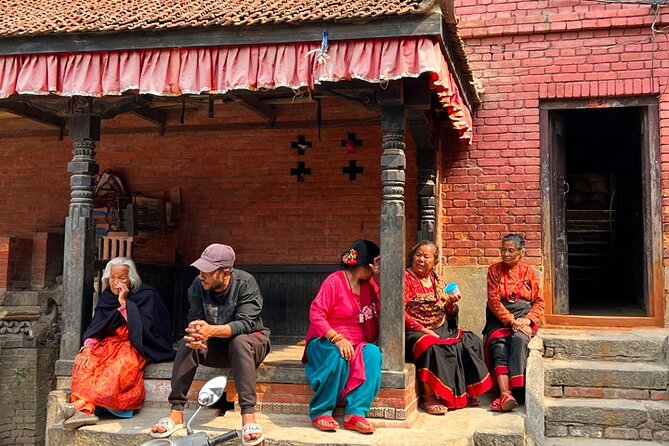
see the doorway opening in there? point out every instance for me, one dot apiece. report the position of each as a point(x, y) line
point(600, 188)
point(604, 212)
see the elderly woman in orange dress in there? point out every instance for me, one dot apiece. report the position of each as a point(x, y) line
point(513, 313)
point(131, 327)
point(449, 361)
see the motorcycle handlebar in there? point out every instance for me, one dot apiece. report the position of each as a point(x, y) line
point(223, 438)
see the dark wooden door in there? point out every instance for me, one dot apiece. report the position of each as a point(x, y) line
point(653, 268)
point(558, 210)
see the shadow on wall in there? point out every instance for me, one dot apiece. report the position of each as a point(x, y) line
point(472, 282)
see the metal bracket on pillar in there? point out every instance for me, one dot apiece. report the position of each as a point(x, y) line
point(79, 256)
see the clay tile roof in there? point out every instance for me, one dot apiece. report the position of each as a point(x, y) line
point(39, 17)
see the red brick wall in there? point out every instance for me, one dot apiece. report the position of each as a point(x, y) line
point(46, 258)
point(525, 52)
point(4, 262)
point(235, 185)
point(15, 262)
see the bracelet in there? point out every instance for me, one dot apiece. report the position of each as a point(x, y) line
point(336, 338)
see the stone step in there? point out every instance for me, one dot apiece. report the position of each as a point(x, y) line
point(638, 345)
point(606, 379)
point(281, 385)
point(607, 418)
point(466, 427)
point(571, 441)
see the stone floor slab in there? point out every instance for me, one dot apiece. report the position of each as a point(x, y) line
point(467, 427)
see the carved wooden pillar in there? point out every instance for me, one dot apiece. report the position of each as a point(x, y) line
point(426, 187)
point(393, 236)
point(78, 268)
point(426, 194)
point(421, 122)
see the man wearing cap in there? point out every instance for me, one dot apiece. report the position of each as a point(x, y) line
point(224, 330)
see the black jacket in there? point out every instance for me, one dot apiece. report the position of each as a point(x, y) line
point(238, 306)
point(149, 322)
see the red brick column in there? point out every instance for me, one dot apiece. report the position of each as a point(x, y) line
point(15, 261)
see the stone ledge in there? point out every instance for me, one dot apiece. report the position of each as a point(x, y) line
point(608, 412)
point(598, 442)
point(288, 372)
point(595, 418)
point(629, 345)
point(282, 365)
point(626, 375)
point(390, 404)
point(281, 386)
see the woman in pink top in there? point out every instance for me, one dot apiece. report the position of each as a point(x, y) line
point(341, 361)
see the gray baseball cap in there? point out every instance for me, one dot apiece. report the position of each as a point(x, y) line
point(215, 256)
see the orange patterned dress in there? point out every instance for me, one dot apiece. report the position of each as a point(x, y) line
point(110, 374)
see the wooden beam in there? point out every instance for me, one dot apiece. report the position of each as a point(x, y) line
point(598, 102)
point(33, 113)
point(391, 94)
point(150, 114)
point(403, 26)
point(417, 92)
point(255, 105)
point(198, 128)
point(363, 97)
point(109, 110)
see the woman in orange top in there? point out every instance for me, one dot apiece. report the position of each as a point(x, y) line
point(514, 311)
point(131, 326)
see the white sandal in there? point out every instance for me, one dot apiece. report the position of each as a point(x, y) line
point(252, 428)
point(169, 425)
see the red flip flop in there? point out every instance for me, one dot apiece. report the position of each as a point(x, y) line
point(508, 402)
point(332, 427)
point(505, 403)
point(496, 406)
point(359, 424)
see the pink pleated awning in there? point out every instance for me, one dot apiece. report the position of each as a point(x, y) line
point(177, 71)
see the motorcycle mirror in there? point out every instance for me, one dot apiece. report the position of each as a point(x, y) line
point(212, 391)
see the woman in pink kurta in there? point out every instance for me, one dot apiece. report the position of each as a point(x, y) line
point(341, 361)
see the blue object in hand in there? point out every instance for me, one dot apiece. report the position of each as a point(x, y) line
point(450, 287)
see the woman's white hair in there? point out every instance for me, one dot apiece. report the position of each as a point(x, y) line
point(135, 280)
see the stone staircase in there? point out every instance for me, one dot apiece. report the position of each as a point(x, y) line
point(606, 387)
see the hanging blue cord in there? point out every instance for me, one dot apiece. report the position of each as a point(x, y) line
point(324, 47)
point(322, 55)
